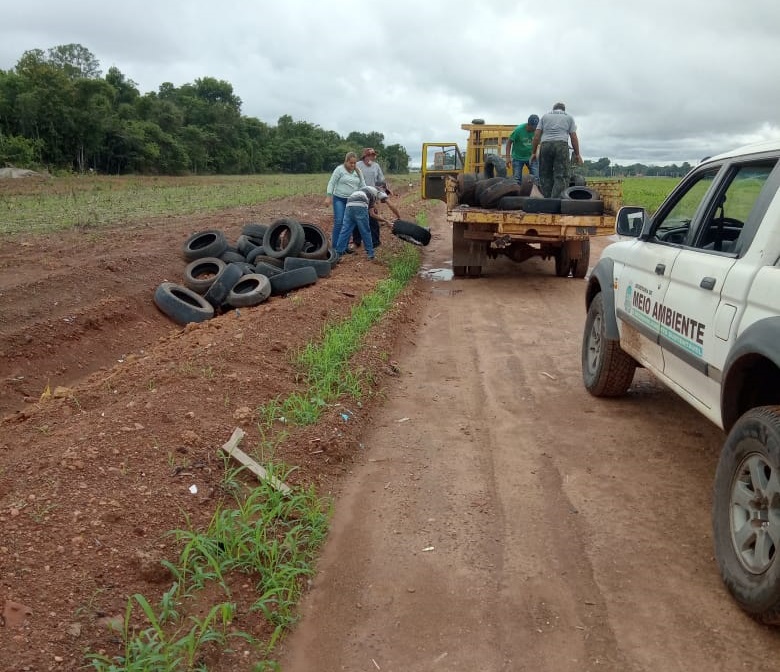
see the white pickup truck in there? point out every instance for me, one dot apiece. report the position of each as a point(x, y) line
point(692, 294)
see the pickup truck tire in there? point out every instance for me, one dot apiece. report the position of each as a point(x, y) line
point(607, 371)
point(746, 526)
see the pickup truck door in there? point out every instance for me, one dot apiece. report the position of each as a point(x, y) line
point(709, 285)
point(439, 161)
point(644, 280)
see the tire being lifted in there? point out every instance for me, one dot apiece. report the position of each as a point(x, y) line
point(420, 234)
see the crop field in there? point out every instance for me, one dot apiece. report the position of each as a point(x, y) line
point(647, 192)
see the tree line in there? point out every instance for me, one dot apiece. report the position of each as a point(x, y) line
point(58, 111)
point(605, 168)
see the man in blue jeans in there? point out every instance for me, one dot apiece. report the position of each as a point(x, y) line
point(518, 150)
point(356, 215)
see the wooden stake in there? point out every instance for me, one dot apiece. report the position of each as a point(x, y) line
point(232, 449)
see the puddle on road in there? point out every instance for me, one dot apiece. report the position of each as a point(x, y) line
point(436, 273)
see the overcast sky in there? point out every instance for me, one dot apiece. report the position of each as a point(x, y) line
point(658, 82)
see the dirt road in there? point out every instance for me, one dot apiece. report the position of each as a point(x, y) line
point(505, 520)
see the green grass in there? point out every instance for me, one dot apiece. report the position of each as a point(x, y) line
point(647, 192)
point(73, 202)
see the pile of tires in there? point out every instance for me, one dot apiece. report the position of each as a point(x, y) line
point(492, 191)
point(266, 260)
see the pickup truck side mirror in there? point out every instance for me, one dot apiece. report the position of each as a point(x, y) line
point(630, 221)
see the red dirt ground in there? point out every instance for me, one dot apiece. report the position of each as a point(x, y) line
point(110, 412)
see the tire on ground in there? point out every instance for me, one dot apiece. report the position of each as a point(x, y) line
point(401, 227)
point(181, 304)
point(229, 256)
point(201, 273)
point(321, 266)
point(284, 238)
point(333, 257)
point(204, 244)
point(254, 254)
point(254, 230)
point(250, 290)
point(315, 244)
point(607, 371)
point(550, 206)
point(490, 197)
point(245, 245)
point(287, 281)
point(222, 284)
point(271, 261)
point(581, 207)
point(267, 269)
point(748, 557)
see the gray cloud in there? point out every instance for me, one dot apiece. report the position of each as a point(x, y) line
point(657, 82)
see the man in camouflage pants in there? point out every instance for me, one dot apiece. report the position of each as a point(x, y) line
point(551, 148)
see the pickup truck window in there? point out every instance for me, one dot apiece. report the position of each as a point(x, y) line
point(722, 227)
point(674, 225)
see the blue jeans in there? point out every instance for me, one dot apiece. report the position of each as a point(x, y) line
point(339, 205)
point(355, 215)
point(533, 169)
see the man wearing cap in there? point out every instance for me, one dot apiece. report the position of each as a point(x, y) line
point(518, 149)
point(551, 147)
point(374, 177)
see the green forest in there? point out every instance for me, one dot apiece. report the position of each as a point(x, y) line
point(58, 112)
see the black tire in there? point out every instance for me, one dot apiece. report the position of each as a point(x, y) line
point(490, 197)
point(255, 231)
point(287, 281)
point(466, 184)
point(512, 202)
point(222, 285)
point(581, 207)
point(250, 290)
point(551, 206)
point(607, 371)
point(744, 515)
point(271, 261)
point(321, 266)
point(181, 304)
point(333, 257)
point(245, 266)
point(204, 244)
point(580, 194)
point(482, 185)
point(201, 273)
point(495, 166)
point(418, 233)
point(230, 256)
point(267, 270)
point(562, 261)
point(580, 266)
point(315, 244)
point(245, 245)
point(254, 254)
point(577, 181)
point(284, 238)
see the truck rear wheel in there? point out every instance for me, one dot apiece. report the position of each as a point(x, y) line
point(580, 265)
point(562, 261)
point(607, 370)
point(745, 520)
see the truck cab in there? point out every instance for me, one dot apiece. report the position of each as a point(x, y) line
point(445, 159)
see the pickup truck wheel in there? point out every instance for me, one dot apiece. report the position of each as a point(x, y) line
point(607, 370)
point(746, 513)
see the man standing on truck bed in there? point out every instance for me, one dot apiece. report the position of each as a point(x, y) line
point(518, 150)
point(551, 147)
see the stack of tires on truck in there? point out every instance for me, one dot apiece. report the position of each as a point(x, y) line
point(265, 260)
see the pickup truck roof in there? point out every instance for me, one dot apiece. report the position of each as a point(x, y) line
point(755, 148)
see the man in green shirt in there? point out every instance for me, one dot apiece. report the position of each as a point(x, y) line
point(518, 150)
